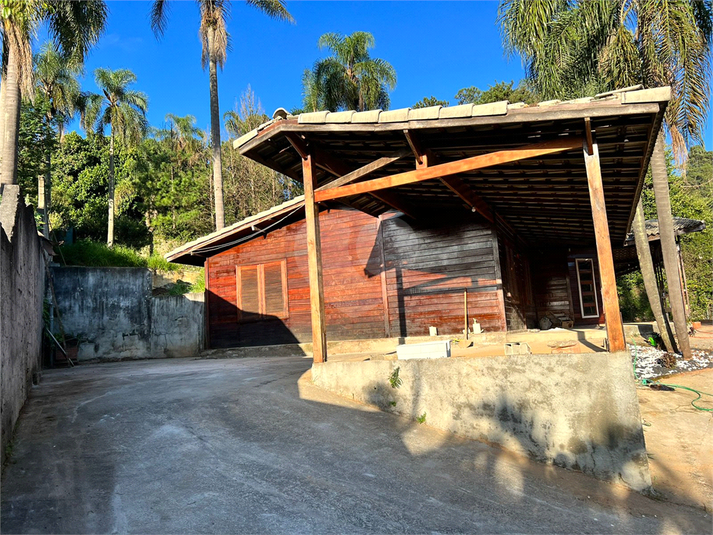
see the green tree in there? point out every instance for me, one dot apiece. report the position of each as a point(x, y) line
point(577, 48)
point(248, 115)
point(215, 40)
point(73, 26)
point(123, 110)
point(58, 90)
point(249, 186)
point(174, 177)
point(35, 139)
point(690, 200)
point(495, 93)
point(350, 79)
point(80, 176)
point(426, 102)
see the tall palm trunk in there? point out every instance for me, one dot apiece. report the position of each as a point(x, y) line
point(668, 244)
point(110, 230)
point(643, 251)
point(3, 86)
point(215, 134)
point(11, 119)
point(44, 189)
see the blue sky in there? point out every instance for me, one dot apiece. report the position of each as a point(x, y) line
point(436, 48)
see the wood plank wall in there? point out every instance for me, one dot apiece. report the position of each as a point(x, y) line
point(353, 303)
point(519, 301)
point(550, 282)
point(427, 270)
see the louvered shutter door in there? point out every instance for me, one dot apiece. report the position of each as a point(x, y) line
point(249, 293)
point(274, 294)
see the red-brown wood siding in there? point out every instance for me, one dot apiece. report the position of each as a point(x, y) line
point(423, 281)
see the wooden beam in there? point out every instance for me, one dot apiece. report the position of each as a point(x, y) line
point(612, 315)
point(319, 158)
point(299, 144)
point(365, 170)
point(467, 195)
point(416, 148)
point(314, 261)
point(452, 168)
point(588, 133)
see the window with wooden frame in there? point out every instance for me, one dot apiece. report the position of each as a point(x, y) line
point(262, 291)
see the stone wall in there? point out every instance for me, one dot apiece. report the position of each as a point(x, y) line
point(22, 280)
point(112, 312)
point(576, 411)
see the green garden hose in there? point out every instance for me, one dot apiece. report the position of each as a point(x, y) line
point(646, 382)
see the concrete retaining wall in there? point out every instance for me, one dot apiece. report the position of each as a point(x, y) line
point(22, 280)
point(576, 411)
point(113, 314)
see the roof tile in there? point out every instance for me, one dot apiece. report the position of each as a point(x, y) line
point(340, 117)
point(456, 112)
point(421, 114)
point(492, 108)
point(394, 116)
point(317, 117)
point(371, 116)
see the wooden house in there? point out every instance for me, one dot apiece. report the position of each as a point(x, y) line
point(499, 213)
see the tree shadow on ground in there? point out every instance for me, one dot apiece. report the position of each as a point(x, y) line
point(251, 445)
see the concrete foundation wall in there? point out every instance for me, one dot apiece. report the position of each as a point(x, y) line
point(576, 411)
point(112, 312)
point(22, 280)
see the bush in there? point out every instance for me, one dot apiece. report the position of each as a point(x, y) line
point(94, 254)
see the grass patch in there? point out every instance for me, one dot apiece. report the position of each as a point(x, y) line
point(94, 254)
point(159, 263)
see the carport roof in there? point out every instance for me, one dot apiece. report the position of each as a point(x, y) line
point(543, 200)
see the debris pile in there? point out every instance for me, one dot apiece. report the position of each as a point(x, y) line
point(652, 362)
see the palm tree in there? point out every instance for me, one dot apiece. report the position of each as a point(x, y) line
point(183, 134)
point(123, 110)
point(74, 28)
point(56, 85)
point(215, 40)
point(350, 79)
point(580, 47)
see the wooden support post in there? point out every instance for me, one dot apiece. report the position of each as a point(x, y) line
point(314, 261)
point(612, 315)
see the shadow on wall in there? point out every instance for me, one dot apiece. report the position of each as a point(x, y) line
point(113, 314)
point(231, 327)
point(429, 264)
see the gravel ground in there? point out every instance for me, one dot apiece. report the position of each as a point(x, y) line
point(648, 361)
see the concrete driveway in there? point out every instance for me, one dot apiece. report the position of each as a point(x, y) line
point(249, 446)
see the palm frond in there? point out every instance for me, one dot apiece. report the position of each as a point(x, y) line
point(275, 9)
point(76, 26)
point(158, 16)
point(213, 31)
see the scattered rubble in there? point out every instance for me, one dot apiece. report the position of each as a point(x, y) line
point(652, 362)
